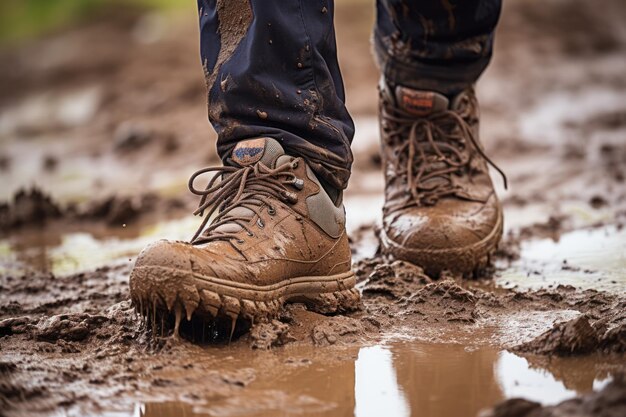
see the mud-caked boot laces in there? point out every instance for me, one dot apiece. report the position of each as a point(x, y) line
point(440, 203)
point(270, 234)
point(237, 194)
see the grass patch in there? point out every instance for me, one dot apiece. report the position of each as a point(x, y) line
point(21, 19)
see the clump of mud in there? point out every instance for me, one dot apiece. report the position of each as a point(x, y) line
point(35, 208)
point(132, 137)
point(268, 335)
point(577, 337)
point(63, 329)
point(608, 402)
point(28, 207)
point(117, 210)
point(444, 300)
point(393, 280)
point(330, 332)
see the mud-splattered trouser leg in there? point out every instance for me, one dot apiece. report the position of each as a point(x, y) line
point(271, 67)
point(271, 70)
point(440, 45)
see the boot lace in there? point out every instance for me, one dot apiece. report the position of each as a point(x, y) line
point(434, 152)
point(252, 187)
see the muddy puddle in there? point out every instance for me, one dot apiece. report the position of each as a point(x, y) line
point(400, 378)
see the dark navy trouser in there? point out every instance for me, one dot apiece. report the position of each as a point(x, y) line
point(271, 67)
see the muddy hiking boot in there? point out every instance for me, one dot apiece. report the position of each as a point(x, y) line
point(271, 234)
point(441, 211)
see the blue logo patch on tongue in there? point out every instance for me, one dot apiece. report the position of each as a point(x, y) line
point(249, 152)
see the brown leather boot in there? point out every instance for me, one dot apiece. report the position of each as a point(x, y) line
point(441, 211)
point(272, 234)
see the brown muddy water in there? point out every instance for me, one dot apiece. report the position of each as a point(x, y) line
point(395, 379)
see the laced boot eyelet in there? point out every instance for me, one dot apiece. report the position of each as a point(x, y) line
point(289, 197)
point(298, 183)
point(260, 223)
point(240, 241)
point(294, 164)
point(271, 211)
point(250, 234)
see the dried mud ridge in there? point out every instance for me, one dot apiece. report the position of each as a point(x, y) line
point(62, 335)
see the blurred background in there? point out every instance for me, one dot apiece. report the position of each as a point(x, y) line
point(103, 115)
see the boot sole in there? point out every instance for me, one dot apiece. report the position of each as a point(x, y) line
point(470, 259)
point(156, 287)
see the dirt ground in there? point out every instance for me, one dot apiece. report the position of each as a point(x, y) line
point(100, 127)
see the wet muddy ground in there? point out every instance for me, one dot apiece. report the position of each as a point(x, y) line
point(111, 134)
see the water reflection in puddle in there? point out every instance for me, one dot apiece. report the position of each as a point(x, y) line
point(399, 379)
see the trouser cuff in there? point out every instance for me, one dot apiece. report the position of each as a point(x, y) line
point(446, 77)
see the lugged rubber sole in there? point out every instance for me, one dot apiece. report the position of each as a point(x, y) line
point(470, 259)
point(161, 288)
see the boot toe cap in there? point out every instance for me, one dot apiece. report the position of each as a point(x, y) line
point(451, 235)
point(165, 254)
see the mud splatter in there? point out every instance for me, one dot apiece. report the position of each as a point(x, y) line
point(235, 17)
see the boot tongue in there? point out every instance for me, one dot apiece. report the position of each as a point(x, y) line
point(248, 153)
point(420, 102)
point(251, 151)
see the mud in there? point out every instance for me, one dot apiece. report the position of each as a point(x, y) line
point(69, 341)
point(28, 207)
point(32, 208)
point(545, 322)
point(578, 337)
point(609, 402)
